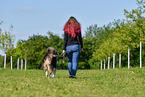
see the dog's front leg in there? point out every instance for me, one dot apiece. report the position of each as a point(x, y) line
point(49, 69)
point(49, 75)
point(46, 73)
point(54, 72)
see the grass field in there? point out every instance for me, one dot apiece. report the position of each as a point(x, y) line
point(97, 83)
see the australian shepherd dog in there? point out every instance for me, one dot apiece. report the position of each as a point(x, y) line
point(50, 62)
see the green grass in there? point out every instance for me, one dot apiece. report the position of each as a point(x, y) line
point(102, 83)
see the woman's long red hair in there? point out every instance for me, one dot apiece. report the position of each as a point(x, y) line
point(72, 27)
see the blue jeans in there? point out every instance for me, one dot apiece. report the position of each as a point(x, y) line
point(73, 52)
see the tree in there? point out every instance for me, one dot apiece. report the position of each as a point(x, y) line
point(6, 39)
point(96, 36)
point(125, 35)
point(35, 48)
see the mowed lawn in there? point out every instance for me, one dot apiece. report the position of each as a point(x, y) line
point(97, 83)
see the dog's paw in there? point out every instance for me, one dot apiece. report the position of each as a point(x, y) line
point(53, 76)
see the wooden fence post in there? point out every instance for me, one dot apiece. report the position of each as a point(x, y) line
point(18, 63)
point(21, 64)
point(104, 63)
point(119, 60)
point(128, 58)
point(140, 55)
point(108, 62)
point(114, 61)
point(25, 64)
point(5, 61)
point(11, 62)
point(101, 64)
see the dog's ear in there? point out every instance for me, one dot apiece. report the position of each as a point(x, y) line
point(48, 50)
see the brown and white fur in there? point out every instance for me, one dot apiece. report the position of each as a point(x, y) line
point(50, 62)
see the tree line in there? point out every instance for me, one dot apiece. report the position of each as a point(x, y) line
point(99, 43)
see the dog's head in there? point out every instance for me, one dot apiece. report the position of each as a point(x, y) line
point(51, 50)
point(46, 60)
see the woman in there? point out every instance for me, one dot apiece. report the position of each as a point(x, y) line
point(72, 44)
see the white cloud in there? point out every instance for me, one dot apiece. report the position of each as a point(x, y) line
point(25, 9)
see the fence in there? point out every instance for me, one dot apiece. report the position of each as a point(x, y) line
point(11, 59)
point(120, 59)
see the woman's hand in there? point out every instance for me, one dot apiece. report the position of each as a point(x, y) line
point(81, 49)
point(63, 51)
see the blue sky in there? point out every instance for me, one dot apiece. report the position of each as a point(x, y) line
point(40, 16)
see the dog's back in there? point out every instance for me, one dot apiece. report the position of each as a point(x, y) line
point(50, 61)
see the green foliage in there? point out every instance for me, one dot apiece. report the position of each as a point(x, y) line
point(1, 61)
point(127, 33)
point(34, 50)
point(6, 39)
point(35, 47)
point(96, 83)
point(99, 43)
